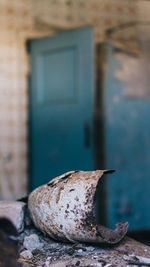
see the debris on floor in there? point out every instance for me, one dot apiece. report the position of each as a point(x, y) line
point(58, 254)
point(32, 242)
point(64, 231)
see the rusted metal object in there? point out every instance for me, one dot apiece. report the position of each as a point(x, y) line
point(64, 209)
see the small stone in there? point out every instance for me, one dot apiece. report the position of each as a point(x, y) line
point(32, 242)
point(143, 259)
point(26, 254)
point(95, 257)
point(47, 262)
point(14, 211)
point(126, 258)
point(80, 250)
point(90, 248)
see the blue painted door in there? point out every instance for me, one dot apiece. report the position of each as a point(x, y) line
point(127, 148)
point(61, 104)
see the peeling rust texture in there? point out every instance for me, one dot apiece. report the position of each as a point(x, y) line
point(64, 209)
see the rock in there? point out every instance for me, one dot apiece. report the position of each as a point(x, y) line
point(126, 258)
point(90, 248)
point(143, 259)
point(14, 211)
point(47, 262)
point(32, 242)
point(26, 254)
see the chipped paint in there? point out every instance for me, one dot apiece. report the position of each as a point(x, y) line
point(134, 71)
point(64, 209)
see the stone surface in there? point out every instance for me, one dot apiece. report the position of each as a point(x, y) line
point(32, 242)
point(13, 210)
point(26, 254)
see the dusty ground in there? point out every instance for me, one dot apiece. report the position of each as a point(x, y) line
point(57, 254)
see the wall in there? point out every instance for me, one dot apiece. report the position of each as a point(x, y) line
point(103, 14)
point(23, 19)
point(15, 18)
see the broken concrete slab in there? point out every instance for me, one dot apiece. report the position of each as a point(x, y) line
point(14, 211)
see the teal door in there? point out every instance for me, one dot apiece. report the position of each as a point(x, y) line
point(61, 105)
point(127, 140)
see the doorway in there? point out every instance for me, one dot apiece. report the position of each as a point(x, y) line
point(61, 89)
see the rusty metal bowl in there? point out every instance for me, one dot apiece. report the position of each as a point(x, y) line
point(64, 209)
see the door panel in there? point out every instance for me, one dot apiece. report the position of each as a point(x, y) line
point(61, 104)
point(127, 147)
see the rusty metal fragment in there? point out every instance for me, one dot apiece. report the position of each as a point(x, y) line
point(64, 209)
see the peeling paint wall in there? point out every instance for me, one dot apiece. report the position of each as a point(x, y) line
point(134, 71)
point(23, 19)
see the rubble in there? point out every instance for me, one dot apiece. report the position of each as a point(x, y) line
point(36, 249)
point(32, 242)
point(137, 260)
point(14, 211)
point(26, 254)
point(50, 253)
point(55, 254)
point(143, 259)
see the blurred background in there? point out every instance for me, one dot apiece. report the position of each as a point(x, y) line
point(75, 94)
